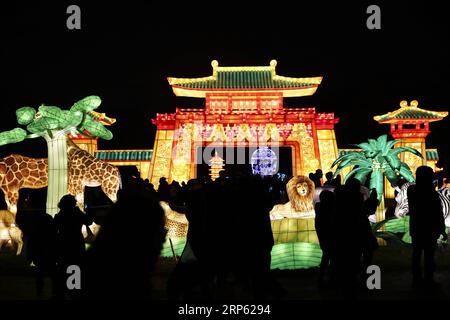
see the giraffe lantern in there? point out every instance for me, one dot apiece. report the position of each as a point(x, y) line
point(18, 172)
point(53, 124)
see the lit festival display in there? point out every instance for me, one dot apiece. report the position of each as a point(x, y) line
point(205, 159)
point(247, 114)
point(244, 108)
point(54, 124)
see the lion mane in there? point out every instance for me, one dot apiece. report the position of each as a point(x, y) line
point(299, 202)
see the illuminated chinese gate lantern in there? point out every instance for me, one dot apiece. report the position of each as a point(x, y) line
point(243, 108)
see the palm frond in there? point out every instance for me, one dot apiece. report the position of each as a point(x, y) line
point(392, 238)
point(406, 173)
point(350, 155)
point(377, 183)
point(363, 174)
point(362, 171)
point(396, 151)
point(373, 143)
point(390, 144)
point(393, 161)
point(376, 226)
point(366, 146)
point(390, 175)
point(382, 141)
point(360, 163)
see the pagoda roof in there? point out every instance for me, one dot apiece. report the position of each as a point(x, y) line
point(410, 112)
point(244, 79)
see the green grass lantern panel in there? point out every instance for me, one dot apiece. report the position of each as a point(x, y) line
point(178, 246)
point(294, 230)
point(399, 225)
point(299, 255)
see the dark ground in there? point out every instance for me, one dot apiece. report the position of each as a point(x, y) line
point(17, 280)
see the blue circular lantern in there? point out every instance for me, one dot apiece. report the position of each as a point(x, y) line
point(264, 162)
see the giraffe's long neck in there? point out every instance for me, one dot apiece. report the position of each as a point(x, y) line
point(71, 146)
point(72, 149)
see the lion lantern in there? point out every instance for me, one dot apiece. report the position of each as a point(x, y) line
point(300, 190)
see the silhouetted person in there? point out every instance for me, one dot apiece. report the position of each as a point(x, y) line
point(148, 185)
point(426, 224)
point(325, 213)
point(336, 182)
point(42, 248)
point(350, 202)
point(368, 241)
point(440, 179)
point(151, 189)
point(120, 261)
point(221, 217)
point(163, 190)
point(319, 176)
point(281, 186)
point(193, 265)
point(69, 221)
point(329, 177)
point(261, 237)
point(39, 234)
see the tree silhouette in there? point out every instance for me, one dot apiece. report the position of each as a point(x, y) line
point(53, 124)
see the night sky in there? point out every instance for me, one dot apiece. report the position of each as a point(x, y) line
point(124, 53)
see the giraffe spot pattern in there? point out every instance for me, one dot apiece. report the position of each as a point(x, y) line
point(25, 172)
point(34, 173)
point(9, 161)
point(9, 176)
point(81, 167)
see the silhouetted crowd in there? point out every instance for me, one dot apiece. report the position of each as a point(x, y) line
point(119, 262)
point(345, 235)
point(229, 239)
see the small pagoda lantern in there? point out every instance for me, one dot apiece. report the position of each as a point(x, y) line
point(216, 165)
